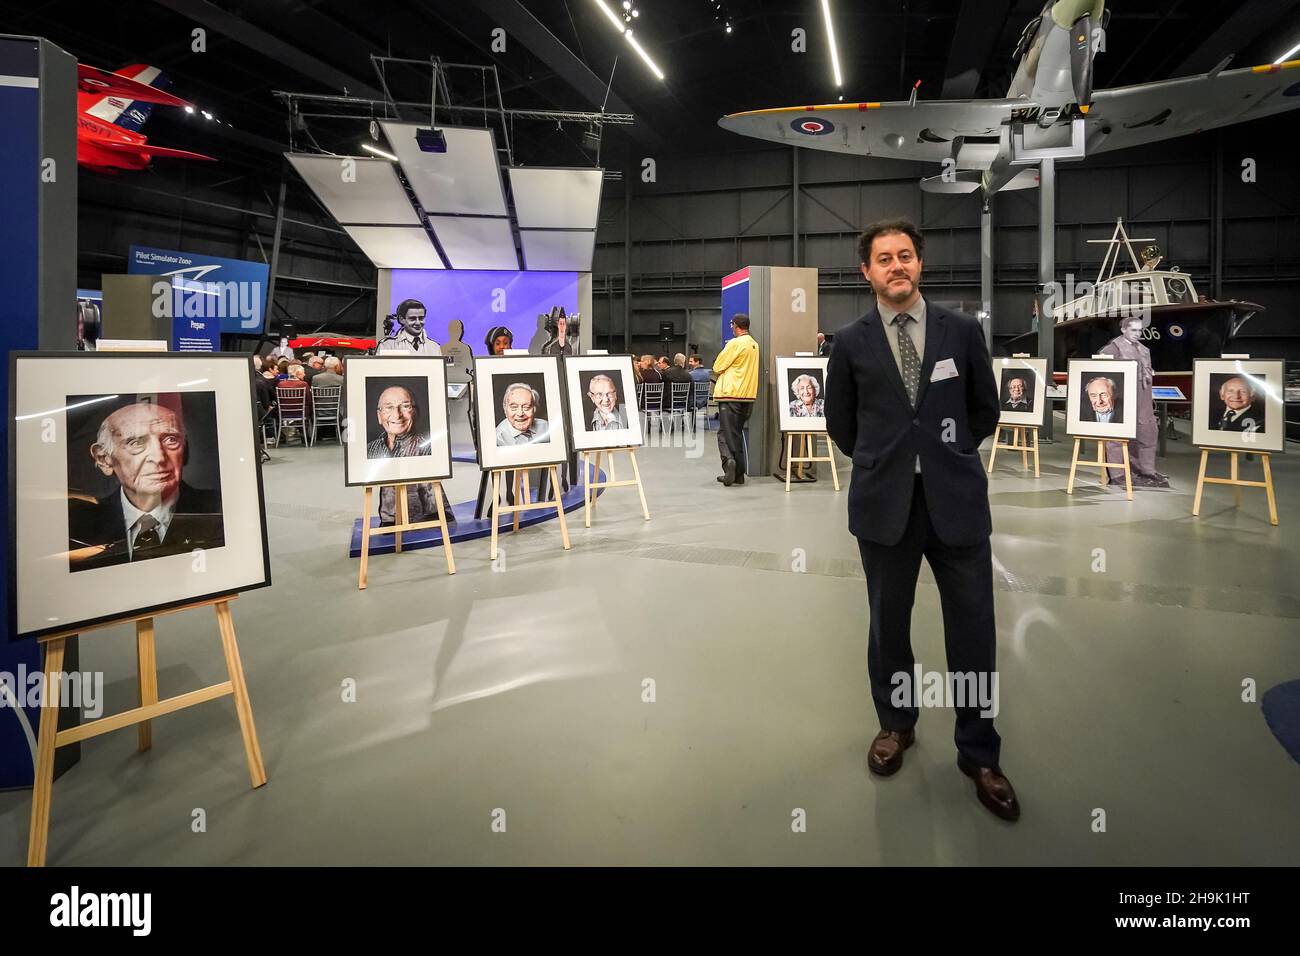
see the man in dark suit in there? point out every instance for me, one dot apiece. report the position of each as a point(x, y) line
point(824, 345)
point(910, 394)
point(1239, 408)
point(153, 513)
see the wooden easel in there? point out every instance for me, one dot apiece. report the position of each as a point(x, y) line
point(403, 524)
point(591, 488)
point(150, 707)
point(524, 502)
point(1101, 463)
point(808, 453)
point(1235, 481)
point(1019, 442)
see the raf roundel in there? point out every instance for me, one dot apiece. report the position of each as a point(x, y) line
point(812, 126)
point(1176, 331)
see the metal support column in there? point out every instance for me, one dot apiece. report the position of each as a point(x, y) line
point(627, 250)
point(1046, 271)
point(275, 255)
point(1216, 204)
point(795, 258)
point(986, 270)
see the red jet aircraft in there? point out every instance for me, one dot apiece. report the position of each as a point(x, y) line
point(111, 108)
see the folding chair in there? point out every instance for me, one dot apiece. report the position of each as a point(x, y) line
point(325, 410)
point(652, 404)
point(291, 412)
point(679, 400)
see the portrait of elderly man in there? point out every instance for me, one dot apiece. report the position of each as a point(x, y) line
point(807, 397)
point(1101, 402)
point(521, 426)
point(152, 512)
point(398, 414)
point(1239, 408)
point(409, 334)
point(1017, 396)
point(609, 414)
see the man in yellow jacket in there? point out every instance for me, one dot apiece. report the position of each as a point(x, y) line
point(737, 387)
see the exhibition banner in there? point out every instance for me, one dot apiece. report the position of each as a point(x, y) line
point(218, 295)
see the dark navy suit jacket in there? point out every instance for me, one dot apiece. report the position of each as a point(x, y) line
point(869, 417)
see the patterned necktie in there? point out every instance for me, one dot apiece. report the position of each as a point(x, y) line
point(147, 537)
point(910, 360)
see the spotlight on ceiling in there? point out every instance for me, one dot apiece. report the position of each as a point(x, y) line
point(431, 140)
point(206, 114)
point(189, 109)
point(591, 139)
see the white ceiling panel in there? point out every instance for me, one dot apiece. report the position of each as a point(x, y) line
point(465, 179)
point(476, 243)
point(546, 251)
point(396, 247)
point(556, 198)
point(374, 196)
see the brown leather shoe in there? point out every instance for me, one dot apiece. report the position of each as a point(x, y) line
point(993, 789)
point(886, 754)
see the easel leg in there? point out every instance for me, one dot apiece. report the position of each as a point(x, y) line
point(1128, 474)
point(789, 446)
point(147, 669)
point(1023, 441)
point(1200, 482)
point(640, 489)
point(402, 518)
point(523, 495)
point(43, 785)
point(993, 455)
point(830, 457)
point(1035, 431)
point(1236, 489)
point(609, 463)
point(446, 532)
point(803, 453)
point(559, 506)
point(1268, 488)
point(256, 772)
point(365, 538)
point(1074, 464)
point(495, 511)
point(586, 488)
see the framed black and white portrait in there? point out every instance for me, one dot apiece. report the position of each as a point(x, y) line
point(1102, 399)
point(406, 331)
point(397, 430)
point(1239, 403)
point(1022, 390)
point(602, 397)
point(134, 485)
point(519, 411)
point(801, 391)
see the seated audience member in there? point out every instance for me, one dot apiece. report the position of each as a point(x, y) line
point(298, 379)
point(282, 370)
point(649, 374)
point(329, 377)
point(315, 365)
point(700, 374)
point(676, 373)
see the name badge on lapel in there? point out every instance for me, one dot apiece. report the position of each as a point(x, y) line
point(942, 370)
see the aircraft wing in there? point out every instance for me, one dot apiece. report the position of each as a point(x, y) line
point(923, 130)
point(148, 149)
point(1150, 112)
point(103, 83)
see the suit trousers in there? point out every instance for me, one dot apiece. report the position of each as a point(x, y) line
point(732, 418)
point(964, 576)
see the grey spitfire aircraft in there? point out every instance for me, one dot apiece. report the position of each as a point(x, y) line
point(1050, 111)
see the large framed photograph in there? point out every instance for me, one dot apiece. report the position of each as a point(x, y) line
point(520, 411)
point(407, 330)
point(801, 392)
point(602, 397)
point(134, 485)
point(1102, 398)
point(1022, 390)
point(397, 430)
point(1239, 403)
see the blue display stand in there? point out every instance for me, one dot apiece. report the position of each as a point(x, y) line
point(38, 273)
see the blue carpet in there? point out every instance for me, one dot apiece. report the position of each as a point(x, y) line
point(466, 528)
point(1281, 706)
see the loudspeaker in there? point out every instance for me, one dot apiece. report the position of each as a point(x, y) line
point(666, 333)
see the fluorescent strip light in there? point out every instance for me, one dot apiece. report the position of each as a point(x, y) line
point(1287, 55)
point(613, 17)
point(378, 152)
point(645, 56)
point(830, 37)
